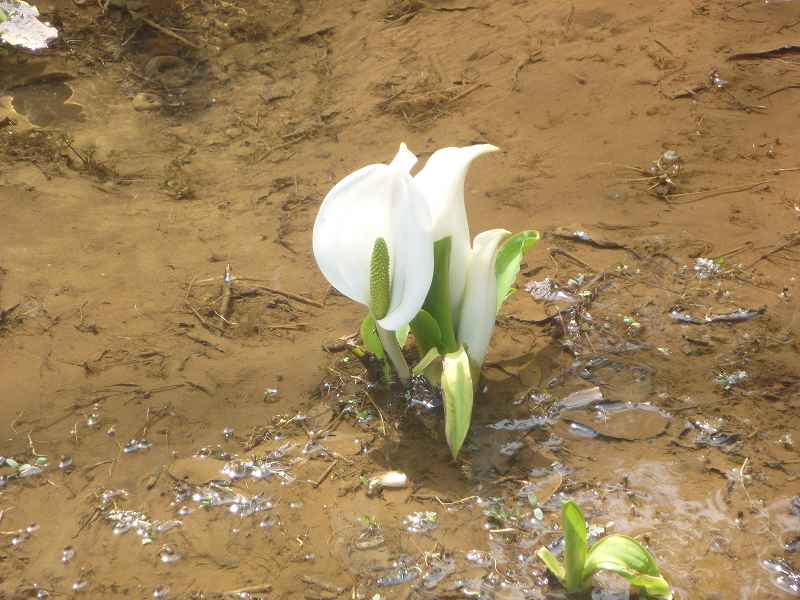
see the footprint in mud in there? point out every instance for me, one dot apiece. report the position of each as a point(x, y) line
point(170, 71)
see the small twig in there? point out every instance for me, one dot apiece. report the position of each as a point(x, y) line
point(227, 288)
point(4, 511)
point(664, 47)
point(264, 587)
point(324, 476)
point(189, 288)
point(776, 171)
point(735, 251)
point(743, 105)
point(719, 192)
point(203, 321)
point(795, 241)
point(205, 342)
point(95, 465)
point(466, 92)
point(788, 26)
point(380, 414)
point(558, 251)
point(528, 60)
point(792, 86)
point(165, 30)
point(287, 326)
point(280, 292)
point(461, 501)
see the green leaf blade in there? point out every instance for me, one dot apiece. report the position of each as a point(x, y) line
point(427, 332)
point(402, 335)
point(437, 302)
point(575, 545)
point(458, 392)
point(426, 361)
point(369, 337)
point(552, 564)
point(629, 558)
point(508, 262)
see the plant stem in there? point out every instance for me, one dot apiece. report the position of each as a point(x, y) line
point(394, 353)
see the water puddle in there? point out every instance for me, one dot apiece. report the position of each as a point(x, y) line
point(46, 104)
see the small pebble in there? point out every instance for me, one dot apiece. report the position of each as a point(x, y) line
point(167, 555)
point(67, 554)
point(146, 101)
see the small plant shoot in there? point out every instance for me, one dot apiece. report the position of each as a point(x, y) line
point(615, 553)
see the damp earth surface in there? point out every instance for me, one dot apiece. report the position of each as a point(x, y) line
point(168, 432)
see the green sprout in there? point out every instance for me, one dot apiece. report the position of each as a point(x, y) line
point(616, 553)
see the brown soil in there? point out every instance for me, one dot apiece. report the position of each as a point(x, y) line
point(118, 225)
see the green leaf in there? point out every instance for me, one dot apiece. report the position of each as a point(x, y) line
point(402, 335)
point(437, 303)
point(369, 335)
point(575, 545)
point(426, 332)
point(627, 557)
point(552, 564)
point(372, 342)
point(3, 16)
point(457, 391)
point(426, 361)
point(508, 261)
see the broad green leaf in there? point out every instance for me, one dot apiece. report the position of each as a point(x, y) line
point(627, 557)
point(575, 545)
point(437, 303)
point(426, 361)
point(552, 564)
point(625, 550)
point(3, 16)
point(508, 261)
point(402, 335)
point(426, 332)
point(369, 335)
point(457, 391)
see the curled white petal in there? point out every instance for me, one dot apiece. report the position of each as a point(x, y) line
point(479, 307)
point(411, 251)
point(352, 216)
point(442, 183)
point(404, 159)
point(377, 201)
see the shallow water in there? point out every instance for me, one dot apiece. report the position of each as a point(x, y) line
point(159, 450)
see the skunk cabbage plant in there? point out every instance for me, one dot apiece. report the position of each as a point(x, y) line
point(400, 245)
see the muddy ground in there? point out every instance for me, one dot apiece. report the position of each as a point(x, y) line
point(128, 182)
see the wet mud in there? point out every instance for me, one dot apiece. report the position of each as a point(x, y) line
point(168, 432)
